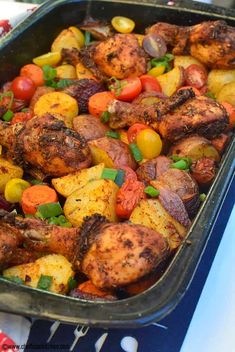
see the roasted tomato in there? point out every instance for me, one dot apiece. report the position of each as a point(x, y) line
point(128, 196)
point(150, 84)
point(23, 88)
point(196, 76)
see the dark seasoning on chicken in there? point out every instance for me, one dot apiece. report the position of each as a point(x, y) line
point(110, 143)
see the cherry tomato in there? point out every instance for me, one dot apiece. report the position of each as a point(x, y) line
point(129, 173)
point(150, 84)
point(123, 24)
point(149, 143)
point(126, 89)
point(231, 113)
point(128, 196)
point(34, 72)
point(21, 117)
point(195, 76)
point(196, 91)
point(23, 88)
point(134, 130)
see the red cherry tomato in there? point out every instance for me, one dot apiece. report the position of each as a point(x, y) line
point(128, 196)
point(134, 130)
point(150, 84)
point(129, 173)
point(127, 89)
point(196, 91)
point(23, 88)
point(195, 76)
point(21, 117)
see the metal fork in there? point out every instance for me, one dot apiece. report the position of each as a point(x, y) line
point(78, 333)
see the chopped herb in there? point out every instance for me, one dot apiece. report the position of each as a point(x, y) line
point(49, 73)
point(210, 95)
point(136, 152)
point(15, 279)
point(49, 210)
point(66, 224)
point(37, 182)
point(53, 220)
point(63, 83)
point(163, 61)
point(87, 36)
point(151, 191)
point(45, 282)
point(113, 134)
point(116, 85)
point(120, 178)
point(202, 197)
point(109, 174)
point(8, 115)
point(72, 283)
point(104, 118)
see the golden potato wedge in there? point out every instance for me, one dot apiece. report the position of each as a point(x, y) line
point(67, 39)
point(218, 78)
point(98, 196)
point(150, 213)
point(57, 103)
point(195, 147)
point(227, 93)
point(66, 71)
point(83, 72)
point(112, 152)
point(186, 60)
point(172, 80)
point(54, 265)
point(8, 171)
point(66, 185)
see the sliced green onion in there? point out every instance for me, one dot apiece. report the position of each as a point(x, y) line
point(37, 182)
point(44, 283)
point(50, 209)
point(87, 36)
point(72, 283)
point(8, 115)
point(151, 191)
point(181, 165)
point(187, 159)
point(109, 174)
point(202, 197)
point(104, 118)
point(136, 152)
point(120, 178)
point(15, 279)
point(113, 134)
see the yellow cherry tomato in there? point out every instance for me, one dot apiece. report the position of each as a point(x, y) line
point(14, 189)
point(52, 59)
point(157, 71)
point(149, 143)
point(123, 24)
point(78, 35)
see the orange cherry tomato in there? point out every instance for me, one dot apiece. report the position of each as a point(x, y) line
point(129, 173)
point(150, 84)
point(134, 130)
point(127, 89)
point(21, 117)
point(196, 91)
point(231, 113)
point(128, 196)
point(34, 72)
point(195, 76)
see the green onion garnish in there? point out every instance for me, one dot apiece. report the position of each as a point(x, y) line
point(120, 178)
point(151, 191)
point(44, 283)
point(180, 165)
point(15, 279)
point(50, 209)
point(136, 152)
point(63, 83)
point(49, 72)
point(8, 115)
point(163, 61)
point(36, 182)
point(202, 197)
point(104, 118)
point(72, 283)
point(113, 134)
point(185, 158)
point(87, 36)
point(53, 220)
point(109, 174)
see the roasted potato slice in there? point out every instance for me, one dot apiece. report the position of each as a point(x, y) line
point(218, 78)
point(150, 213)
point(8, 171)
point(195, 147)
point(172, 80)
point(54, 265)
point(68, 39)
point(98, 196)
point(66, 185)
point(89, 127)
point(186, 60)
point(227, 93)
point(58, 104)
point(112, 152)
point(66, 72)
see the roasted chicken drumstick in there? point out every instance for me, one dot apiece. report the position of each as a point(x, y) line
point(47, 145)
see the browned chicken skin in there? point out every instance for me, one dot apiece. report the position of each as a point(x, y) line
point(46, 144)
point(211, 42)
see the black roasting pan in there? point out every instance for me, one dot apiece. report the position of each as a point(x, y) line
point(34, 37)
